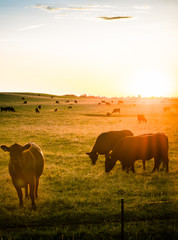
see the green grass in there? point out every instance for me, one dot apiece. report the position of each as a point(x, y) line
point(78, 200)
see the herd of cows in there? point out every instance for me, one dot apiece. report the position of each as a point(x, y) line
point(27, 162)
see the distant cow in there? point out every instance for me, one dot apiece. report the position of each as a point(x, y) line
point(39, 107)
point(25, 167)
point(143, 147)
point(67, 101)
point(108, 114)
point(120, 102)
point(9, 109)
point(75, 101)
point(116, 110)
point(25, 102)
point(55, 110)
point(70, 107)
point(108, 103)
point(37, 110)
point(57, 102)
point(105, 142)
point(141, 117)
point(23, 98)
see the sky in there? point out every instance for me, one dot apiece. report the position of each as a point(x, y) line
point(113, 48)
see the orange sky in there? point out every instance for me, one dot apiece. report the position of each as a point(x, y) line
point(105, 48)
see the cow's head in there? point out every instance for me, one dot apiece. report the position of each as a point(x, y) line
point(109, 163)
point(93, 157)
point(16, 152)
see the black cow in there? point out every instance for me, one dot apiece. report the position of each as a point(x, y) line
point(10, 109)
point(37, 110)
point(143, 147)
point(105, 142)
point(25, 167)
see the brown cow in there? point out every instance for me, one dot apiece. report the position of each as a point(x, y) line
point(141, 118)
point(25, 167)
point(143, 147)
point(105, 142)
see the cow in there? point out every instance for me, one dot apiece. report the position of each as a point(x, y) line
point(75, 101)
point(141, 117)
point(10, 109)
point(105, 142)
point(37, 110)
point(70, 107)
point(39, 107)
point(116, 110)
point(143, 147)
point(57, 102)
point(55, 109)
point(25, 102)
point(25, 167)
point(108, 114)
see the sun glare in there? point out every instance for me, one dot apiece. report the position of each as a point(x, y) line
point(151, 83)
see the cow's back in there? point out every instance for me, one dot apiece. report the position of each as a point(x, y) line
point(106, 141)
point(142, 147)
point(34, 160)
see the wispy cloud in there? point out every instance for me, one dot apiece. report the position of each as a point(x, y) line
point(142, 7)
point(49, 8)
point(115, 18)
point(31, 27)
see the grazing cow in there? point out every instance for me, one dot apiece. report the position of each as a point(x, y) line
point(75, 101)
point(70, 107)
point(141, 117)
point(10, 109)
point(37, 110)
point(25, 167)
point(142, 147)
point(55, 110)
point(116, 110)
point(23, 98)
point(105, 142)
point(39, 107)
point(120, 102)
point(25, 102)
point(108, 114)
point(57, 102)
point(67, 101)
point(108, 103)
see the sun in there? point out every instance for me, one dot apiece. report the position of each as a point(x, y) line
point(151, 83)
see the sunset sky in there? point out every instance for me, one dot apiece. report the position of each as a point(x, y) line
point(95, 47)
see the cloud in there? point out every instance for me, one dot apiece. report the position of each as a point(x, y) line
point(142, 7)
point(115, 18)
point(49, 8)
point(31, 27)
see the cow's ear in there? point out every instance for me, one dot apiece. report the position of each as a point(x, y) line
point(26, 147)
point(5, 148)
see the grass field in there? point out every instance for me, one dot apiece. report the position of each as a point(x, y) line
point(78, 200)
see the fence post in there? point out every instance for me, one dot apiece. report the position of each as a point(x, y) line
point(122, 219)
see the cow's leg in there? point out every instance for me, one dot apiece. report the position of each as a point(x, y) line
point(155, 165)
point(26, 191)
point(36, 188)
point(32, 193)
point(20, 195)
point(144, 168)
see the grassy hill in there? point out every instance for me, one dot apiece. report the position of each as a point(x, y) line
point(78, 200)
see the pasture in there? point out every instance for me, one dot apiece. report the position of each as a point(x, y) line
point(78, 200)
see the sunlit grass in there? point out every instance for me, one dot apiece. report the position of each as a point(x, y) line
point(77, 199)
